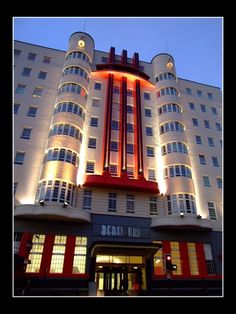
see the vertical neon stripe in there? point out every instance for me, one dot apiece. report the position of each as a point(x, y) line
point(201, 259)
point(184, 258)
point(69, 255)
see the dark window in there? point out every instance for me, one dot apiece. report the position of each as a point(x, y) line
point(97, 86)
point(17, 52)
point(94, 122)
point(16, 108)
point(31, 56)
point(26, 71)
point(42, 75)
point(146, 96)
point(26, 133)
point(46, 59)
point(32, 111)
point(19, 158)
point(20, 89)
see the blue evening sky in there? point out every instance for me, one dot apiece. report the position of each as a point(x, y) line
point(195, 43)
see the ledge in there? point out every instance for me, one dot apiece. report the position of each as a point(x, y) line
point(122, 68)
point(185, 223)
point(52, 212)
point(122, 183)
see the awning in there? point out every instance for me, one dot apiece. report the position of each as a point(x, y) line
point(130, 249)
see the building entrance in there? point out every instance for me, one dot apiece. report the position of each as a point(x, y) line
point(116, 280)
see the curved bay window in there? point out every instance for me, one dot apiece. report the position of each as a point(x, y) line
point(181, 203)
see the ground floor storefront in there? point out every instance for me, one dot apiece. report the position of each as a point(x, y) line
point(113, 256)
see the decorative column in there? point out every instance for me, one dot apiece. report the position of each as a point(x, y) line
point(107, 127)
point(123, 127)
point(139, 138)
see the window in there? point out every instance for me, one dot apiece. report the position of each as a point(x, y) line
point(192, 255)
point(17, 53)
point(31, 56)
point(167, 91)
point(174, 147)
point(181, 203)
point(73, 88)
point(195, 122)
point(169, 108)
point(66, 129)
point(62, 154)
point(210, 141)
point(114, 146)
point(173, 126)
point(176, 258)
point(37, 92)
point(90, 167)
point(17, 241)
point(116, 90)
point(87, 199)
point(206, 181)
point(210, 96)
point(92, 142)
point(55, 191)
point(209, 259)
point(94, 122)
point(98, 86)
point(79, 262)
point(36, 253)
point(42, 75)
point(26, 72)
point(202, 159)
point(46, 59)
point(113, 170)
point(70, 107)
point(115, 125)
point(26, 133)
point(191, 106)
point(96, 102)
point(112, 202)
point(215, 161)
point(150, 151)
point(76, 70)
point(177, 171)
point(219, 183)
point(129, 92)
point(58, 254)
point(15, 187)
point(211, 209)
point(218, 126)
point(148, 131)
point(147, 112)
point(16, 108)
point(199, 93)
point(146, 96)
point(198, 139)
point(130, 148)
point(19, 158)
point(221, 143)
point(188, 91)
point(130, 127)
point(130, 171)
point(153, 205)
point(203, 107)
point(129, 109)
point(214, 110)
point(151, 175)
point(104, 59)
point(158, 263)
point(207, 124)
point(129, 203)
point(20, 89)
point(78, 55)
point(32, 111)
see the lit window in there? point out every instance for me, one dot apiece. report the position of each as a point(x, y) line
point(192, 255)
point(37, 92)
point(158, 262)
point(58, 254)
point(31, 56)
point(19, 158)
point(35, 255)
point(175, 255)
point(20, 89)
point(79, 261)
point(32, 111)
point(26, 72)
point(92, 142)
point(42, 75)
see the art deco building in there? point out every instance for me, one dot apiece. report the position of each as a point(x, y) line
point(117, 164)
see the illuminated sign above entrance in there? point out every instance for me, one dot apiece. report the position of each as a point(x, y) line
point(121, 231)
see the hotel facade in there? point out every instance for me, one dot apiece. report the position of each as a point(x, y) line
point(117, 165)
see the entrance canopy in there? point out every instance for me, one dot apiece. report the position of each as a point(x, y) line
point(138, 249)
